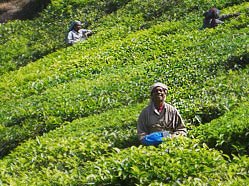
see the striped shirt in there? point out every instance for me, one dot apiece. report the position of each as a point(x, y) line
point(74, 36)
point(169, 119)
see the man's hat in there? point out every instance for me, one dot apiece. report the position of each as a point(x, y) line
point(73, 24)
point(77, 23)
point(212, 13)
point(158, 84)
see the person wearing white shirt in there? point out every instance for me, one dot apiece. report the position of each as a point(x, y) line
point(77, 34)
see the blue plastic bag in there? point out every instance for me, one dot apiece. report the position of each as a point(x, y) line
point(154, 138)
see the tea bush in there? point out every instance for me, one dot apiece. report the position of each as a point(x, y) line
point(69, 117)
point(66, 102)
point(228, 133)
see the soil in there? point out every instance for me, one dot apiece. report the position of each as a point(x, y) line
point(21, 9)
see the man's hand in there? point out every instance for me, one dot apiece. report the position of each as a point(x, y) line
point(89, 33)
point(166, 134)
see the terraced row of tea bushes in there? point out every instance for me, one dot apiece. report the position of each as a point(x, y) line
point(33, 102)
point(216, 97)
point(234, 82)
point(68, 66)
point(178, 161)
point(64, 153)
point(39, 114)
point(70, 146)
point(36, 44)
point(65, 64)
point(228, 133)
point(182, 60)
point(237, 81)
point(119, 130)
point(36, 38)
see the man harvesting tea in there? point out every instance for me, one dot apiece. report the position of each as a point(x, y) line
point(159, 119)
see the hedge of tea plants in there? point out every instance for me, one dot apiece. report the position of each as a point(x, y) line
point(70, 116)
point(229, 133)
point(94, 150)
point(179, 161)
point(67, 152)
point(67, 63)
point(31, 40)
point(97, 92)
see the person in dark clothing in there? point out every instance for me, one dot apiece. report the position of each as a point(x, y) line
point(212, 18)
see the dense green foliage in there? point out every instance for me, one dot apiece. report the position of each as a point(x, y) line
point(229, 133)
point(68, 114)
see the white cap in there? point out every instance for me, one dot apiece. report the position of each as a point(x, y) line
point(158, 84)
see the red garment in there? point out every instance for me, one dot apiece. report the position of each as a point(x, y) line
point(161, 108)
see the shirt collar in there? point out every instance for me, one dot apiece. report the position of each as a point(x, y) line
point(155, 110)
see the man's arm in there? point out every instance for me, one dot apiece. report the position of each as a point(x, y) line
point(142, 131)
point(70, 39)
point(227, 16)
point(180, 128)
point(86, 32)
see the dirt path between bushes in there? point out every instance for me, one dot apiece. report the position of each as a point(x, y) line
point(20, 9)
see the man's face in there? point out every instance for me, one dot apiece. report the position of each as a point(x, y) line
point(158, 94)
point(77, 27)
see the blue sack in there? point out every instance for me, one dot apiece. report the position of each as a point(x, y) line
point(154, 138)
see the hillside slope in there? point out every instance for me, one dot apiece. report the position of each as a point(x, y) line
point(68, 113)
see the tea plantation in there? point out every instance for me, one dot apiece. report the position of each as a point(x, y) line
point(68, 113)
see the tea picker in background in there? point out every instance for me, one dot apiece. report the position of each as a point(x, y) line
point(77, 34)
point(213, 18)
point(159, 119)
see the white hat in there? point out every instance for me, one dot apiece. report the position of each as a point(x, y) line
point(158, 84)
point(77, 23)
point(73, 24)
